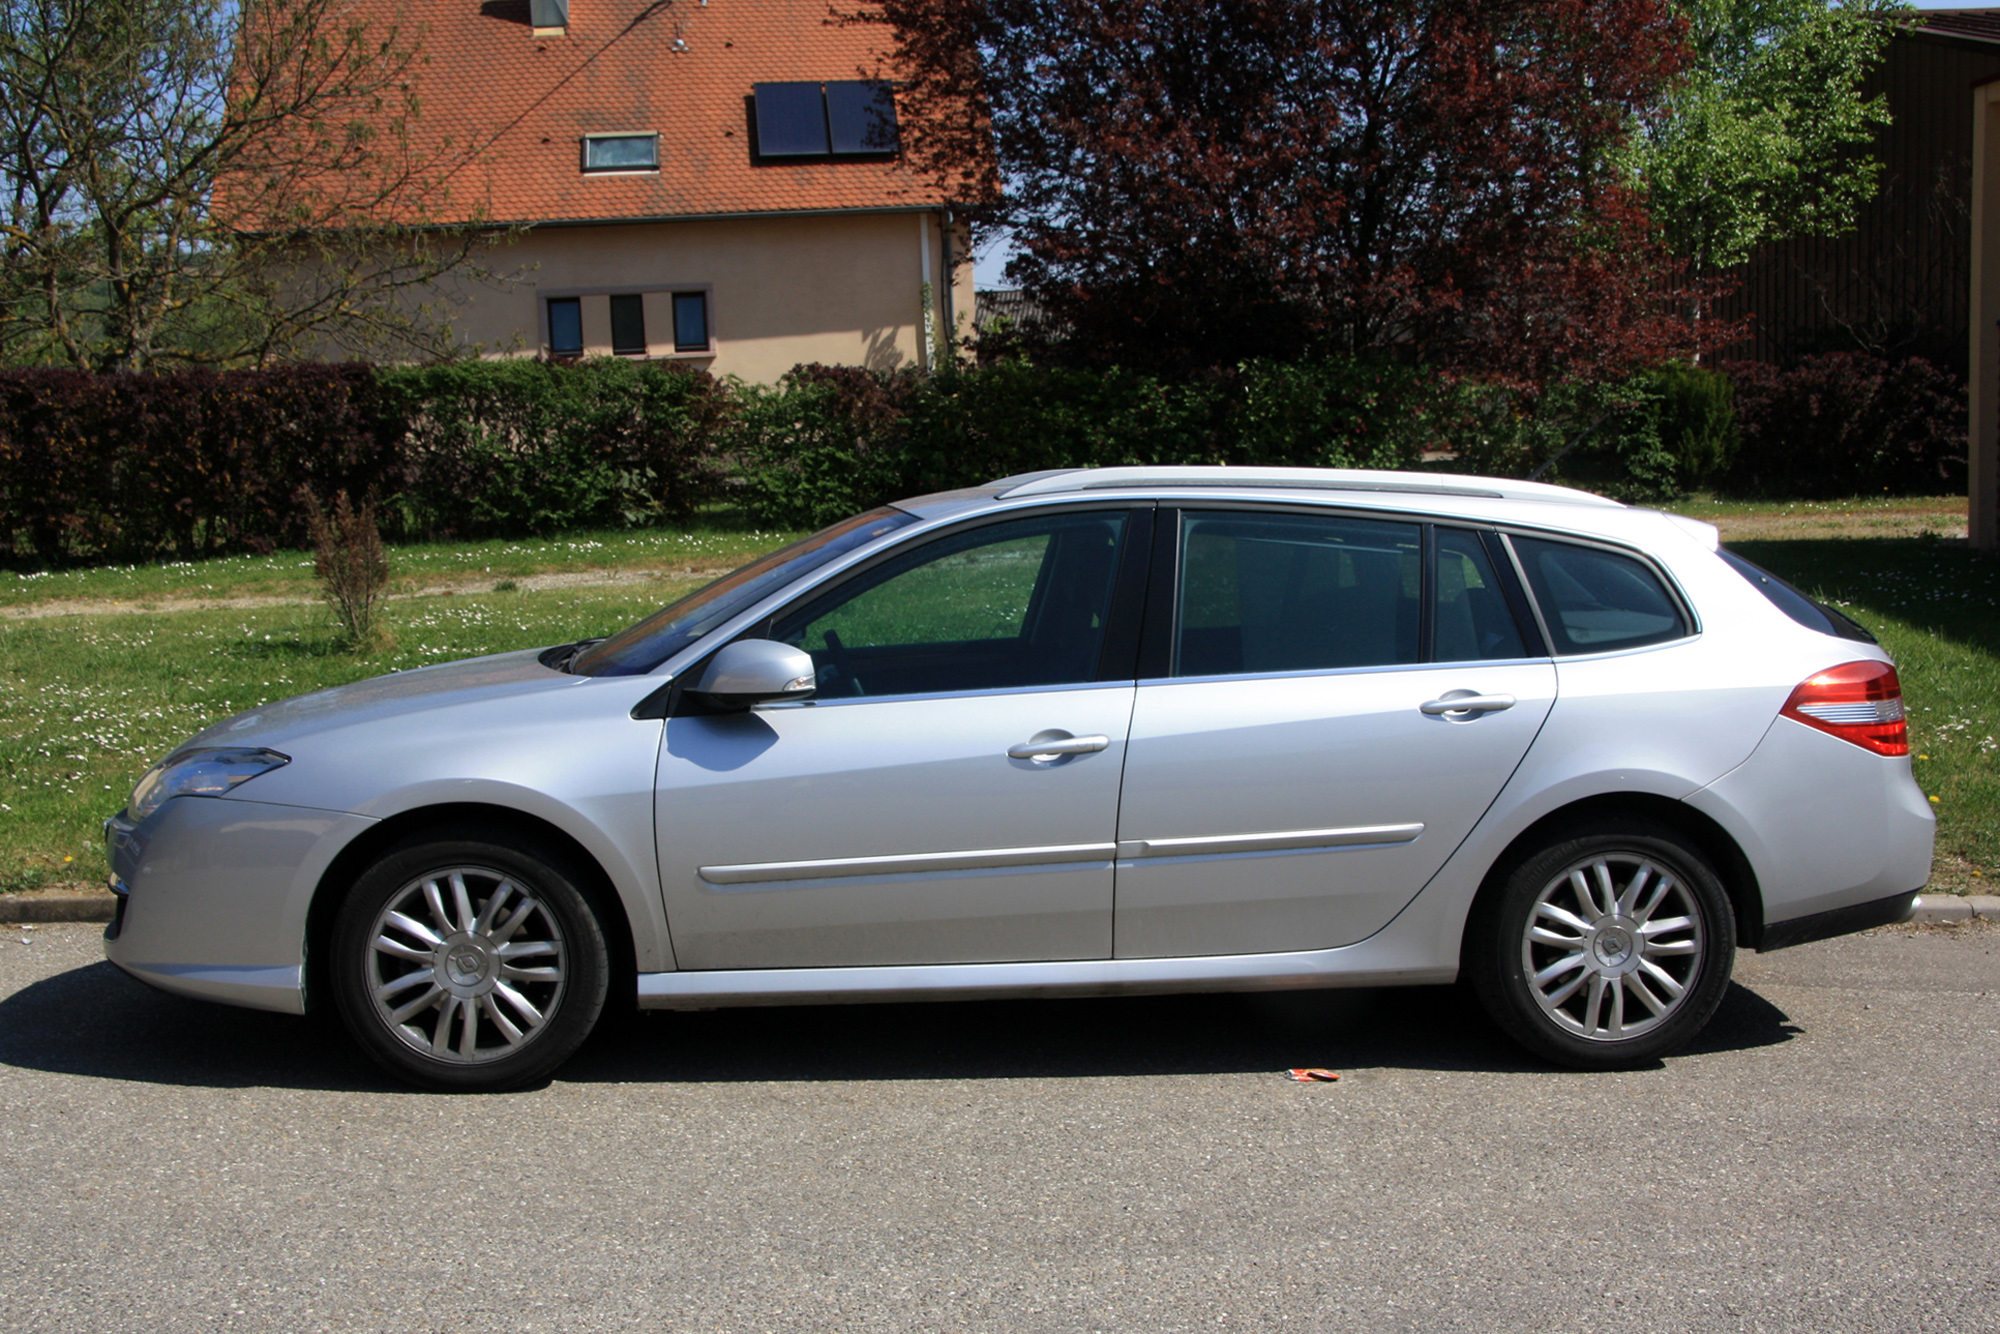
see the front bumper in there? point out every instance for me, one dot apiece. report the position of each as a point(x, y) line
point(215, 896)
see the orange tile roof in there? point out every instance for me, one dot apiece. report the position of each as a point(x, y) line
point(524, 102)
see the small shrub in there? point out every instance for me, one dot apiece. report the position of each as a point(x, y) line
point(348, 560)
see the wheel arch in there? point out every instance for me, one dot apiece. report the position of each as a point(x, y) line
point(1732, 867)
point(506, 825)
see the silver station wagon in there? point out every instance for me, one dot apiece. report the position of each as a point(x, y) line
point(1115, 730)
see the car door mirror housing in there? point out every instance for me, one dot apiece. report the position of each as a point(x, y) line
point(756, 671)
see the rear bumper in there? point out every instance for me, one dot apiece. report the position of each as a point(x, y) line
point(1834, 833)
point(1838, 922)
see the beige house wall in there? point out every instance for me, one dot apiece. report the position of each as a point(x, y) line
point(844, 289)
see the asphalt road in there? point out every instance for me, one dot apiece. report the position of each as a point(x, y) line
point(1827, 1159)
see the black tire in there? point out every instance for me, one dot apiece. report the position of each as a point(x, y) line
point(1605, 998)
point(478, 976)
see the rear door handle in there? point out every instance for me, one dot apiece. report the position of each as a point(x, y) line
point(1466, 705)
point(1048, 748)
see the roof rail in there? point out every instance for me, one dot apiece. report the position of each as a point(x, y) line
point(1310, 479)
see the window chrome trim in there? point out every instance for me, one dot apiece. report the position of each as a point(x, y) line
point(1345, 671)
point(989, 692)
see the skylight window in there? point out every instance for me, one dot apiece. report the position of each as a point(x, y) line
point(621, 152)
point(845, 118)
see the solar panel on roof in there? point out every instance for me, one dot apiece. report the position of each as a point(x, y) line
point(862, 116)
point(791, 120)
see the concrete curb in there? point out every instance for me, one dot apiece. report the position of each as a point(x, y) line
point(1956, 908)
point(58, 905)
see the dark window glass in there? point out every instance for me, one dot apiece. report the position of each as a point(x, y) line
point(1473, 623)
point(621, 152)
point(1282, 593)
point(791, 120)
point(566, 326)
point(1812, 614)
point(666, 632)
point(1002, 606)
point(861, 116)
point(1595, 601)
point(690, 321)
point(628, 325)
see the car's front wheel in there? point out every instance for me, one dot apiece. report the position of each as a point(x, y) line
point(1607, 948)
point(469, 963)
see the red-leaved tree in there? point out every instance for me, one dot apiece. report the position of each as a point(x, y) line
point(1193, 182)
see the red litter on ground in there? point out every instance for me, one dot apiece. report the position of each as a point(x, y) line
point(1312, 1075)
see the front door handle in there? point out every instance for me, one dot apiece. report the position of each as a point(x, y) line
point(1045, 747)
point(1465, 706)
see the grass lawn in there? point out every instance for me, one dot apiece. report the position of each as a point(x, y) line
point(133, 660)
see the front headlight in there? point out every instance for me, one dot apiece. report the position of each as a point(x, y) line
point(199, 773)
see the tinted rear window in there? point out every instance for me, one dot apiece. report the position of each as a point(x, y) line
point(1813, 615)
point(1597, 601)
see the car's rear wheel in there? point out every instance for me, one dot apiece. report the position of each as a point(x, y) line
point(1608, 948)
point(468, 963)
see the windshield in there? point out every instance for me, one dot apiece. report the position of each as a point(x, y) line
point(666, 632)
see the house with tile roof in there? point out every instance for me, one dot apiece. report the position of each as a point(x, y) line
point(710, 181)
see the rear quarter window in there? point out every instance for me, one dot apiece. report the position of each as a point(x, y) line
point(1598, 601)
point(1813, 615)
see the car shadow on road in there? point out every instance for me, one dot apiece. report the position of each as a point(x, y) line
point(97, 1022)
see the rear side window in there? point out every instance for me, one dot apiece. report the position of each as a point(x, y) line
point(1812, 615)
point(1473, 622)
point(1597, 601)
point(1288, 592)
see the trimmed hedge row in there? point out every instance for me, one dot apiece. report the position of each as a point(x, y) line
point(134, 467)
point(123, 467)
point(828, 441)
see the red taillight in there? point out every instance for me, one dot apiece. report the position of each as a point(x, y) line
point(1860, 702)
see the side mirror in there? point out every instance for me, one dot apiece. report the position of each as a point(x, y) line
point(756, 671)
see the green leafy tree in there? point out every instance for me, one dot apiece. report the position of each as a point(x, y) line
point(215, 181)
point(1767, 135)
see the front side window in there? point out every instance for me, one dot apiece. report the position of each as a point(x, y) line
point(1285, 592)
point(566, 326)
point(1001, 606)
point(1596, 601)
point(666, 632)
point(621, 152)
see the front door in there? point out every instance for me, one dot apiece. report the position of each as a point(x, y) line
point(951, 794)
point(1301, 773)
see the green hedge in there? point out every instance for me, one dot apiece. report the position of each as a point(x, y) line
point(138, 467)
point(127, 467)
point(827, 441)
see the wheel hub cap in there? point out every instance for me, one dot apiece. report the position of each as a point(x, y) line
point(465, 965)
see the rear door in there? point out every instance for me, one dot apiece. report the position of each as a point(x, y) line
point(1338, 700)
